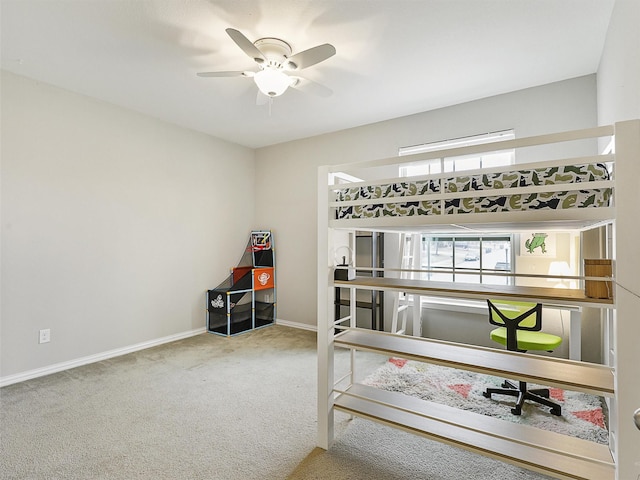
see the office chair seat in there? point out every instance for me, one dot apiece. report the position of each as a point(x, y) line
point(528, 340)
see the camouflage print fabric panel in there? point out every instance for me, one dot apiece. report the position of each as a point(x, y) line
point(407, 209)
point(400, 189)
point(482, 182)
point(570, 174)
point(571, 199)
point(524, 178)
point(535, 201)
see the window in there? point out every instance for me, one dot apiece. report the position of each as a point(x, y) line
point(459, 163)
point(468, 259)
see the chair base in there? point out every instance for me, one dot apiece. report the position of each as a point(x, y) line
point(538, 395)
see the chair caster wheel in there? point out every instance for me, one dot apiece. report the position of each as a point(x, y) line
point(556, 411)
point(516, 411)
point(486, 395)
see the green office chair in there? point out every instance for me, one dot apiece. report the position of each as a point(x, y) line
point(519, 325)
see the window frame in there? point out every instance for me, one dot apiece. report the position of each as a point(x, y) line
point(446, 164)
point(481, 270)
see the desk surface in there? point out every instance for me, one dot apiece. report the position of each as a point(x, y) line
point(553, 296)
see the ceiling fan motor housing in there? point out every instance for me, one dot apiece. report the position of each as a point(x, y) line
point(276, 51)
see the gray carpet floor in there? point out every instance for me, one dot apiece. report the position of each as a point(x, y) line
point(210, 407)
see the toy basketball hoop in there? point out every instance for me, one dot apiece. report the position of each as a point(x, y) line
point(260, 241)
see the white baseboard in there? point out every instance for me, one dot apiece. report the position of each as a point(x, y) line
point(78, 362)
point(303, 326)
point(59, 367)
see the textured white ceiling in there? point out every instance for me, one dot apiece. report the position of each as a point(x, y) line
point(394, 57)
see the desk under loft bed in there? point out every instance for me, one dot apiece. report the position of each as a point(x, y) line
point(577, 193)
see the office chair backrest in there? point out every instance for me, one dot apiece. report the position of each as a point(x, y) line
point(514, 316)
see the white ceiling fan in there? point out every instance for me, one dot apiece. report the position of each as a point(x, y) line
point(274, 60)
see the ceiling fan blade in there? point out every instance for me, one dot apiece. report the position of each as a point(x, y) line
point(222, 74)
point(309, 86)
point(246, 45)
point(311, 56)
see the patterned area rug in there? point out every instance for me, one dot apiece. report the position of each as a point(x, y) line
point(582, 414)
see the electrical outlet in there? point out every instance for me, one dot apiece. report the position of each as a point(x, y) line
point(45, 335)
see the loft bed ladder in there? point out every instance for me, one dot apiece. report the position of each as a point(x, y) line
point(410, 258)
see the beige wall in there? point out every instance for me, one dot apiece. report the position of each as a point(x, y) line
point(113, 224)
point(619, 69)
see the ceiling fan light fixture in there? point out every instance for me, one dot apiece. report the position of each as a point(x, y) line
point(272, 82)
